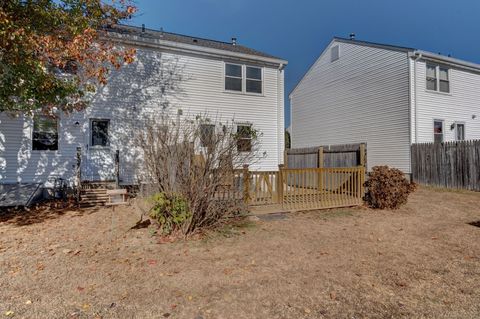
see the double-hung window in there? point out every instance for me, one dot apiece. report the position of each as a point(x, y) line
point(254, 80)
point(444, 80)
point(243, 78)
point(244, 137)
point(431, 77)
point(207, 134)
point(233, 77)
point(45, 133)
point(438, 131)
point(438, 78)
point(99, 132)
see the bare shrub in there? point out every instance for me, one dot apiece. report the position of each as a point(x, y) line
point(197, 160)
point(387, 188)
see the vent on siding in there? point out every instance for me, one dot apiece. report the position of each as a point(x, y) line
point(335, 53)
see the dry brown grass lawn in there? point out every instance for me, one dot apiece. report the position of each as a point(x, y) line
point(422, 261)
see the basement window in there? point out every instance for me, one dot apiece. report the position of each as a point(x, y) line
point(45, 133)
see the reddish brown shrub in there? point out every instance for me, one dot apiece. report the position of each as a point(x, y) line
point(387, 188)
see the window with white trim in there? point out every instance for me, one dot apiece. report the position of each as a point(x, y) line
point(460, 131)
point(244, 137)
point(45, 133)
point(438, 78)
point(99, 132)
point(233, 77)
point(438, 131)
point(207, 133)
point(254, 80)
point(243, 78)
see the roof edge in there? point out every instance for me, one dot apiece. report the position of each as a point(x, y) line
point(374, 44)
point(158, 42)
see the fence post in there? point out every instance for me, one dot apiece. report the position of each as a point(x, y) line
point(362, 155)
point(321, 163)
point(285, 158)
point(78, 173)
point(280, 184)
point(246, 184)
point(117, 169)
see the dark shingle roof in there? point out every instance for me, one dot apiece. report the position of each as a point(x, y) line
point(186, 39)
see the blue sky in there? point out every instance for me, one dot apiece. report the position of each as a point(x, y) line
point(299, 30)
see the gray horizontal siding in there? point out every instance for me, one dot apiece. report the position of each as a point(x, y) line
point(361, 97)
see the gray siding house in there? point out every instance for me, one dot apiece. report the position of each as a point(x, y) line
point(386, 96)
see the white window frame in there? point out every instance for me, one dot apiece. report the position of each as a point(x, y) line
point(250, 138)
point(437, 78)
point(57, 120)
point(244, 78)
point(250, 79)
point(443, 129)
point(201, 132)
point(464, 131)
point(225, 76)
point(90, 137)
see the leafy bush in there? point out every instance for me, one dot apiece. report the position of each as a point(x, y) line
point(171, 212)
point(387, 188)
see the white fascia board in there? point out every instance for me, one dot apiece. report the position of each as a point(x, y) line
point(157, 43)
point(446, 60)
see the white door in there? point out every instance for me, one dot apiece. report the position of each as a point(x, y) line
point(99, 158)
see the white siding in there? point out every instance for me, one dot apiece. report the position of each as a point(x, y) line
point(459, 105)
point(361, 97)
point(133, 92)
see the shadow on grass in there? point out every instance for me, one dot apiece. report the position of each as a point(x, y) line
point(22, 216)
point(476, 223)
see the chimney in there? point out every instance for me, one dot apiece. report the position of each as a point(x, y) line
point(234, 41)
point(352, 36)
point(143, 28)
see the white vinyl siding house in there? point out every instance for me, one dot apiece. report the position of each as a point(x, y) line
point(459, 109)
point(386, 96)
point(133, 93)
point(355, 94)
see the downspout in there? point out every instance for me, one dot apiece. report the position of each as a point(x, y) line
point(418, 56)
point(281, 133)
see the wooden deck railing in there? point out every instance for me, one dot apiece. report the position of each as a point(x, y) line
point(315, 188)
point(301, 189)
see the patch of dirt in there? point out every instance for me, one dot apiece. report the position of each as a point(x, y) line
point(421, 261)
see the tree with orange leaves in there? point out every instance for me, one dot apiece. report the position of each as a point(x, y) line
point(54, 52)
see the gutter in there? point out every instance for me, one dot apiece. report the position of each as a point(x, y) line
point(156, 43)
point(448, 61)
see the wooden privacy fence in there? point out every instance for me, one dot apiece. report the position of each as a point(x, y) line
point(450, 164)
point(346, 155)
point(302, 189)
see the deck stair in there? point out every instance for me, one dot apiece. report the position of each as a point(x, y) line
point(92, 197)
